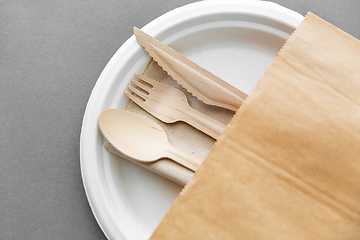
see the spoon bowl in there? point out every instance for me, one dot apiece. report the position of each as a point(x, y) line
point(141, 139)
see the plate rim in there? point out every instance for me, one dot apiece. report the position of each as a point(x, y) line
point(98, 204)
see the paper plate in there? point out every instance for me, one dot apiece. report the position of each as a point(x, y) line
point(236, 40)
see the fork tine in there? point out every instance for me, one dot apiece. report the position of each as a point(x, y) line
point(135, 99)
point(138, 92)
point(150, 81)
point(140, 85)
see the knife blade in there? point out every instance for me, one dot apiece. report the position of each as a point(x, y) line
point(200, 82)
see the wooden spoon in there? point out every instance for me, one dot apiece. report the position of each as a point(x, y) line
point(141, 139)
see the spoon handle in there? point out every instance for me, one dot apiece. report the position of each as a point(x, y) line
point(185, 159)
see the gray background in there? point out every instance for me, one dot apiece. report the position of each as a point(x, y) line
point(51, 54)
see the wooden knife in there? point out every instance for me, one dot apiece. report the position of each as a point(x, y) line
point(200, 82)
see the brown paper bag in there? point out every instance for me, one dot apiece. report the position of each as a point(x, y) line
point(288, 164)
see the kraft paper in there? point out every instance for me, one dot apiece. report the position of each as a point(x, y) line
point(288, 164)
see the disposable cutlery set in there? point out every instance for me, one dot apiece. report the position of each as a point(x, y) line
point(141, 139)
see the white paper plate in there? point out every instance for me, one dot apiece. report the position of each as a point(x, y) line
point(236, 40)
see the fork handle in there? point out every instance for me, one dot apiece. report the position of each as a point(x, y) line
point(204, 123)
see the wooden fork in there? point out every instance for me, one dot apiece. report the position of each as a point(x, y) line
point(169, 105)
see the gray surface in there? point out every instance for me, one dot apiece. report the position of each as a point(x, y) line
point(51, 54)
